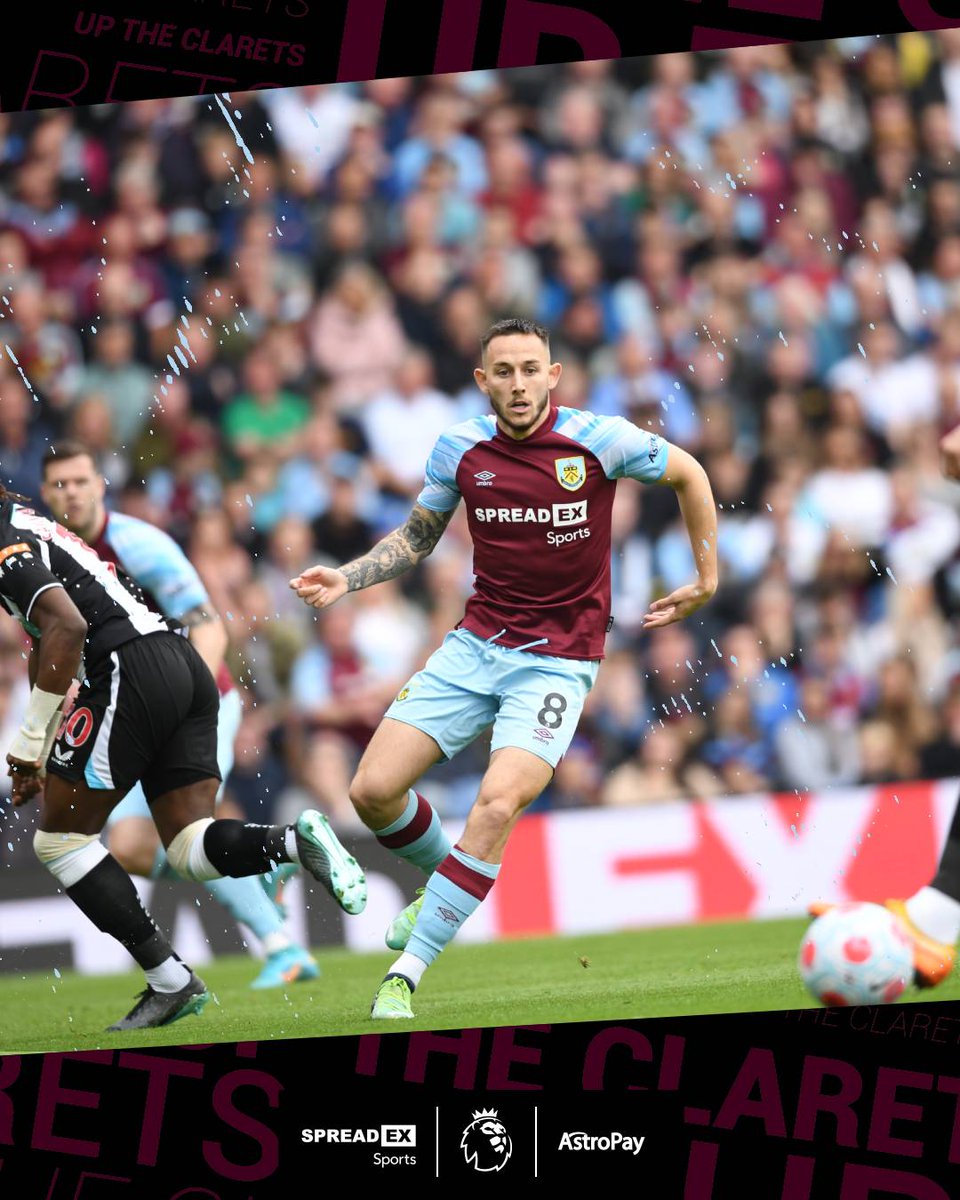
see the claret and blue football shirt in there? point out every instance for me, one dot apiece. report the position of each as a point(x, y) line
point(539, 512)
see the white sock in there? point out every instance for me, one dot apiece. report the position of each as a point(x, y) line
point(410, 966)
point(276, 941)
point(200, 867)
point(170, 976)
point(290, 842)
point(936, 914)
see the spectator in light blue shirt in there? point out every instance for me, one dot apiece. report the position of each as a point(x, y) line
point(438, 131)
point(633, 383)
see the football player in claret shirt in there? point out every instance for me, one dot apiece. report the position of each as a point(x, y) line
point(538, 484)
point(74, 490)
point(146, 711)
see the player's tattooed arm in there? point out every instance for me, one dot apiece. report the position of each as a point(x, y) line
point(208, 634)
point(398, 551)
point(321, 586)
point(198, 616)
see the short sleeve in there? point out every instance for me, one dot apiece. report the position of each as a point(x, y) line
point(637, 453)
point(155, 562)
point(440, 491)
point(624, 450)
point(23, 575)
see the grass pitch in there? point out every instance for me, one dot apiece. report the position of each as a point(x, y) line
point(683, 971)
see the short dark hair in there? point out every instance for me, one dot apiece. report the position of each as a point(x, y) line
point(511, 325)
point(65, 448)
point(6, 494)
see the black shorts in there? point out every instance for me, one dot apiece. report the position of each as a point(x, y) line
point(146, 713)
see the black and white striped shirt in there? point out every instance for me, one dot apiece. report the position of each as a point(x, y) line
point(37, 554)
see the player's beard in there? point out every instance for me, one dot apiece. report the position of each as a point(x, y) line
point(81, 520)
point(521, 420)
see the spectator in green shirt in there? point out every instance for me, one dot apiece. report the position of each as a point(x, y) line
point(265, 419)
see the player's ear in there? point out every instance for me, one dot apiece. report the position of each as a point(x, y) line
point(553, 375)
point(480, 378)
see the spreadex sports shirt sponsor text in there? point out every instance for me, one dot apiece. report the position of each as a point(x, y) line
point(560, 516)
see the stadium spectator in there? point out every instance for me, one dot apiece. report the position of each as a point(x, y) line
point(23, 438)
point(814, 752)
point(657, 774)
point(354, 316)
point(265, 420)
point(115, 375)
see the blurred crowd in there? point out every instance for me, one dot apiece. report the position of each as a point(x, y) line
point(259, 317)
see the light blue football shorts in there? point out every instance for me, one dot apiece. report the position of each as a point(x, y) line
point(533, 701)
point(134, 803)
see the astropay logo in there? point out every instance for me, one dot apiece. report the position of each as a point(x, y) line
point(581, 1140)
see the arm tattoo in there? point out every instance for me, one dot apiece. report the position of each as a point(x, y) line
point(398, 551)
point(197, 616)
point(423, 529)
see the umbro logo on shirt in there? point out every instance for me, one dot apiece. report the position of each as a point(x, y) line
point(485, 478)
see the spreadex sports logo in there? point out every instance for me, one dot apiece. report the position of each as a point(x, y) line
point(560, 516)
point(485, 1143)
point(393, 1140)
point(603, 1141)
point(386, 1135)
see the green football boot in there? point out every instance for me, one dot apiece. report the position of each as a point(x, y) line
point(392, 1001)
point(400, 928)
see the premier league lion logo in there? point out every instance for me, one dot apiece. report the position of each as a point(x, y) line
point(486, 1145)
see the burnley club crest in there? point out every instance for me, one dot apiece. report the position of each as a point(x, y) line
point(571, 472)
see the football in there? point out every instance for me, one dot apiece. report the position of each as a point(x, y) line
point(856, 954)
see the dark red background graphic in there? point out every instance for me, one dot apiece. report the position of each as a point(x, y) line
point(854, 1104)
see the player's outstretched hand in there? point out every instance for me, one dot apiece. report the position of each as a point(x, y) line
point(28, 779)
point(320, 586)
point(679, 604)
